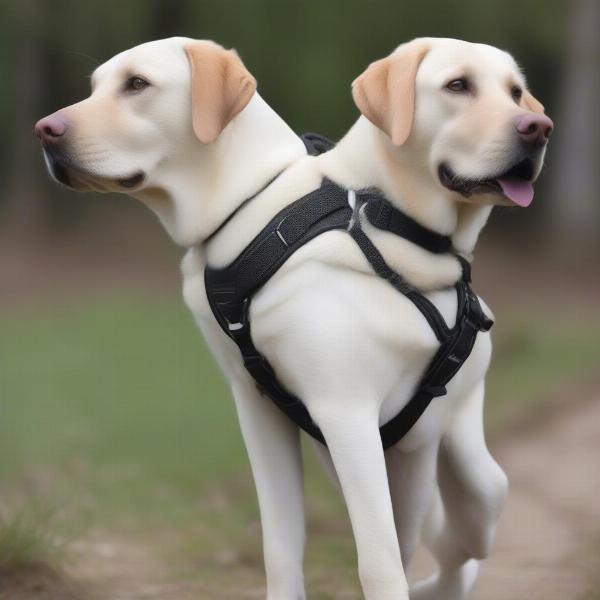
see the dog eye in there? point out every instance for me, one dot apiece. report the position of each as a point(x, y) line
point(516, 92)
point(458, 85)
point(136, 84)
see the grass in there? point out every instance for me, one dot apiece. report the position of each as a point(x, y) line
point(33, 555)
point(27, 537)
point(115, 411)
point(125, 390)
point(537, 354)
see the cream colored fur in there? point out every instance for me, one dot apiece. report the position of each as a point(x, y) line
point(338, 336)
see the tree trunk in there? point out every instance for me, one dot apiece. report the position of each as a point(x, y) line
point(574, 157)
point(26, 210)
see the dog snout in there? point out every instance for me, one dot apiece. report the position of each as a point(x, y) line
point(534, 129)
point(51, 129)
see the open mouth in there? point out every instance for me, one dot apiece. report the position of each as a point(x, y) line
point(516, 183)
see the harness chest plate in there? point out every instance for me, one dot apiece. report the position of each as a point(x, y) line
point(229, 291)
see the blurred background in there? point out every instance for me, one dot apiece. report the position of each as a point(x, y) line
point(122, 471)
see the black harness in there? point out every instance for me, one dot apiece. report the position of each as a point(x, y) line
point(328, 208)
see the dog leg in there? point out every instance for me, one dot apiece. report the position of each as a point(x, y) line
point(324, 458)
point(412, 477)
point(472, 491)
point(458, 571)
point(273, 446)
point(357, 454)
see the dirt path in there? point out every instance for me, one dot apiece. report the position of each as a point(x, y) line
point(548, 540)
point(548, 545)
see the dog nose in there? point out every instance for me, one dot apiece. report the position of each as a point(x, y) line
point(534, 129)
point(50, 129)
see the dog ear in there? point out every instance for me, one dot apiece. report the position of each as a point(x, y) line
point(385, 92)
point(531, 103)
point(221, 88)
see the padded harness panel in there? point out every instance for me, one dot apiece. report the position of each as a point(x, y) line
point(230, 289)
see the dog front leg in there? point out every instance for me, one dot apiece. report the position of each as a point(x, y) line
point(273, 446)
point(357, 453)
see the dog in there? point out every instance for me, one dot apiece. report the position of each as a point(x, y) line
point(448, 129)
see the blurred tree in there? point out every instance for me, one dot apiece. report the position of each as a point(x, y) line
point(26, 209)
point(575, 209)
point(304, 53)
point(166, 19)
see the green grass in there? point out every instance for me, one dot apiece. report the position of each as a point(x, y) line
point(124, 392)
point(537, 354)
point(115, 412)
point(27, 537)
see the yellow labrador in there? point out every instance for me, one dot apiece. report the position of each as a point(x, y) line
point(449, 129)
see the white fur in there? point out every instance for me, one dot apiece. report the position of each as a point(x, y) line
point(338, 336)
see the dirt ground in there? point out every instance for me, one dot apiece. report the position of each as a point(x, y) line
point(548, 544)
point(548, 540)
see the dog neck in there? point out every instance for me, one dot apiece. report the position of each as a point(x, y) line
point(201, 188)
point(366, 157)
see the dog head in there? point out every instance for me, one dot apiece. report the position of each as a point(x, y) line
point(464, 111)
point(149, 106)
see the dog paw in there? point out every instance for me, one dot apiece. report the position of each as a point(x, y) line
point(426, 589)
point(448, 585)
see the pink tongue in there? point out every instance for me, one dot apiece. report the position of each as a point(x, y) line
point(520, 192)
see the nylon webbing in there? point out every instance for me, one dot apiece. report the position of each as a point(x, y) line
point(383, 215)
point(229, 291)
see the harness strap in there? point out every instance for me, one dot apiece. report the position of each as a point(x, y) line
point(267, 382)
point(321, 210)
point(316, 143)
point(384, 216)
point(377, 262)
point(239, 208)
point(381, 214)
point(456, 344)
point(230, 289)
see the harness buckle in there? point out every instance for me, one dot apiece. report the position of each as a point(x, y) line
point(477, 319)
point(241, 324)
